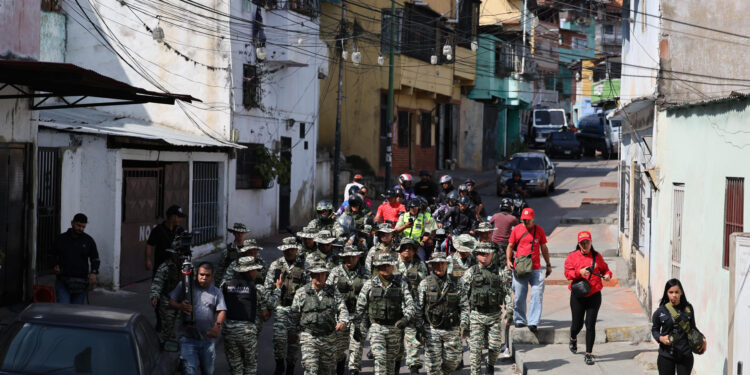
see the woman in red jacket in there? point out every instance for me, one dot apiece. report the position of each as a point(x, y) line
point(577, 267)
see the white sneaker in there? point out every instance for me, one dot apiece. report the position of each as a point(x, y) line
point(506, 352)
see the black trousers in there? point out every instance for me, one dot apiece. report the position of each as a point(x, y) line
point(588, 308)
point(668, 366)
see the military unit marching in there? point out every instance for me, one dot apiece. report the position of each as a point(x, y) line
point(332, 290)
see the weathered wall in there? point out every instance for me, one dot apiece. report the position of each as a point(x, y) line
point(720, 128)
point(17, 121)
point(19, 29)
point(470, 134)
point(497, 12)
point(640, 51)
point(53, 37)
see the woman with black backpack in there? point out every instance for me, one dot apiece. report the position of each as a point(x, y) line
point(586, 269)
point(675, 331)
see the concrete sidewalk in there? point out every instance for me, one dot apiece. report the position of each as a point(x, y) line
point(611, 358)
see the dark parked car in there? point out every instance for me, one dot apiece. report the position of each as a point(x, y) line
point(563, 144)
point(49, 338)
point(594, 135)
point(537, 171)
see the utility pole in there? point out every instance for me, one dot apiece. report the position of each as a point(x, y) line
point(339, 99)
point(389, 131)
point(523, 47)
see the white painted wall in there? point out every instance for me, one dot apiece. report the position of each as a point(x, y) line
point(640, 49)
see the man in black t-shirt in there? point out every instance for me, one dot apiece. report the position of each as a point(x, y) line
point(161, 238)
point(76, 262)
point(425, 187)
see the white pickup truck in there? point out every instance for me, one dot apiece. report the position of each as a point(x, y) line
point(547, 121)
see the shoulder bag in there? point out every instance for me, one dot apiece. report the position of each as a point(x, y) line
point(694, 336)
point(581, 288)
point(525, 264)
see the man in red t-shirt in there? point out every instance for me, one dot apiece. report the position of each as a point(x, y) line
point(526, 239)
point(389, 210)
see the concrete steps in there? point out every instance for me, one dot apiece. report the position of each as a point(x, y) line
point(610, 358)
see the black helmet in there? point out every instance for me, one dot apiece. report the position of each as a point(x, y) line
point(516, 172)
point(453, 196)
point(423, 201)
point(354, 190)
point(414, 203)
point(464, 200)
point(470, 181)
point(390, 193)
point(506, 205)
point(424, 172)
point(355, 200)
point(463, 187)
point(399, 192)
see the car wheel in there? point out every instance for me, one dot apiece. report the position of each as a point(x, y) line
point(589, 151)
point(552, 187)
point(605, 151)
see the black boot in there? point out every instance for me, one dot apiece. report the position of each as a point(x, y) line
point(340, 367)
point(290, 368)
point(279, 367)
point(490, 369)
point(413, 370)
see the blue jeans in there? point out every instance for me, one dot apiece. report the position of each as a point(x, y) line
point(520, 289)
point(194, 352)
point(63, 296)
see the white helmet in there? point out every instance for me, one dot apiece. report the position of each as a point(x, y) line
point(404, 178)
point(446, 179)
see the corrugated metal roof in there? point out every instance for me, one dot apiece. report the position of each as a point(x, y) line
point(91, 121)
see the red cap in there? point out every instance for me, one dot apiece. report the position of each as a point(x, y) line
point(585, 235)
point(357, 176)
point(527, 214)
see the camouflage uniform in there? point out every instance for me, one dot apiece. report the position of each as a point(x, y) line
point(439, 310)
point(413, 273)
point(331, 259)
point(165, 280)
point(230, 254)
point(307, 232)
point(360, 218)
point(349, 283)
point(314, 315)
point(241, 328)
point(246, 246)
point(485, 291)
point(322, 224)
point(385, 303)
point(295, 277)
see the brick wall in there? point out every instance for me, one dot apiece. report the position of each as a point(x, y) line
point(423, 158)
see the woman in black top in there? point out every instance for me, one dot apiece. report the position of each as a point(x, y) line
point(674, 350)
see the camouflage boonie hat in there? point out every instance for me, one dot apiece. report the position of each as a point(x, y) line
point(383, 259)
point(408, 241)
point(484, 227)
point(385, 228)
point(288, 243)
point(324, 237)
point(250, 244)
point(245, 264)
point(239, 228)
point(308, 232)
point(367, 228)
point(318, 267)
point(351, 251)
point(465, 243)
point(438, 257)
point(484, 247)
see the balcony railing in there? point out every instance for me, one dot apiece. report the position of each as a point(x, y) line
point(309, 8)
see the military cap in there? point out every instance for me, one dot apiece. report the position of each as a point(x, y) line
point(408, 241)
point(288, 243)
point(239, 228)
point(351, 251)
point(485, 227)
point(383, 259)
point(484, 247)
point(250, 244)
point(438, 257)
point(308, 232)
point(245, 264)
point(385, 228)
point(465, 243)
point(324, 237)
point(318, 267)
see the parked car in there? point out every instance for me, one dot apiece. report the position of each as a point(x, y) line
point(563, 144)
point(545, 122)
point(50, 338)
point(537, 171)
point(594, 135)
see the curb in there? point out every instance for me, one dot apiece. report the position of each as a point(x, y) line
point(599, 201)
point(589, 220)
point(547, 336)
point(608, 184)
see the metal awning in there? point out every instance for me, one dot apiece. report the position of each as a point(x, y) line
point(638, 113)
point(92, 121)
point(74, 86)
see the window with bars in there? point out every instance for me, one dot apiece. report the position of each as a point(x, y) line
point(733, 211)
point(676, 241)
point(385, 31)
point(250, 86)
point(468, 21)
point(403, 128)
point(425, 130)
point(205, 202)
point(421, 29)
point(248, 176)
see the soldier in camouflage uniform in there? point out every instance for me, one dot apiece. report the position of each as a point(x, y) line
point(484, 235)
point(413, 271)
point(385, 245)
point(165, 280)
point(250, 248)
point(387, 305)
point(325, 252)
point(307, 236)
point(324, 219)
point(232, 252)
point(291, 269)
point(245, 300)
point(349, 278)
point(439, 310)
point(318, 313)
point(462, 259)
point(486, 290)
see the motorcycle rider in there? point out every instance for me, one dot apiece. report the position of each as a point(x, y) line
point(357, 211)
point(476, 199)
point(515, 185)
point(444, 212)
point(465, 219)
point(503, 221)
point(325, 218)
point(415, 224)
point(389, 210)
point(356, 182)
point(404, 183)
point(446, 187)
point(425, 188)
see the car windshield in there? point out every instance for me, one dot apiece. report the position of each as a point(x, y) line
point(526, 164)
point(44, 349)
point(549, 118)
point(563, 136)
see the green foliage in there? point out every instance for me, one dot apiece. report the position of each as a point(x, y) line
point(271, 166)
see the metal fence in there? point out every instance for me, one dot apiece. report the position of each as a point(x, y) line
point(48, 206)
point(624, 198)
point(205, 202)
point(733, 211)
point(637, 215)
point(676, 243)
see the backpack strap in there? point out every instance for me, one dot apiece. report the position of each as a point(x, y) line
point(677, 318)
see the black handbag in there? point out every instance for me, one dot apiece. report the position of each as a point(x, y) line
point(581, 288)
